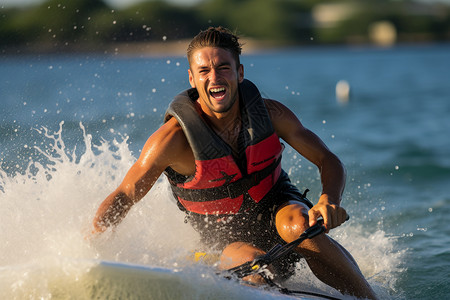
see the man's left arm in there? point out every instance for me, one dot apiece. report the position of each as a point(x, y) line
point(309, 145)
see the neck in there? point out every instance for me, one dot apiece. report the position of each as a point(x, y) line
point(224, 121)
point(227, 125)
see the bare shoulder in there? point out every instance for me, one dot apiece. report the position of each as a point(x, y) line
point(168, 147)
point(274, 107)
point(278, 111)
point(283, 119)
point(171, 134)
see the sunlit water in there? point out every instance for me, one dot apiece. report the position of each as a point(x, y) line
point(72, 126)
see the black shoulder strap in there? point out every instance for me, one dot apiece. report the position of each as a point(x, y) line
point(204, 142)
point(259, 122)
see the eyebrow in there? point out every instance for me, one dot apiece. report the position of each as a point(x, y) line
point(221, 64)
point(225, 63)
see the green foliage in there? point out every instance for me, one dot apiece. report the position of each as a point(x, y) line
point(276, 20)
point(157, 19)
point(54, 20)
point(60, 23)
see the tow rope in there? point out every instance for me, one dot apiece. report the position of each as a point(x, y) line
point(259, 265)
point(278, 251)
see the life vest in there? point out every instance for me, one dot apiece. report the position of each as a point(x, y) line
point(221, 182)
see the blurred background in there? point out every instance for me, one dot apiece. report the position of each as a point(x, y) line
point(84, 83)
point(129, 25)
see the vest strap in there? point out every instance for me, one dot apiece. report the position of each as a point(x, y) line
point(231, 190)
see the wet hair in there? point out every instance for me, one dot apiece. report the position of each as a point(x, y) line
point(216, 37)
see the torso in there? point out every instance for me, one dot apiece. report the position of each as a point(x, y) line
point(236, 153)
point(230, 133)
point(184, 161)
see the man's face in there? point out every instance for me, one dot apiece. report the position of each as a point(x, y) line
point(213, 72)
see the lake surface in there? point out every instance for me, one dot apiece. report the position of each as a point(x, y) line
point(72, 125)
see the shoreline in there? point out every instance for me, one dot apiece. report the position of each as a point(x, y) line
point(176, 48)
point(132, 49)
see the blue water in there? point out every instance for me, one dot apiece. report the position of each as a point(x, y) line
point(392, 135)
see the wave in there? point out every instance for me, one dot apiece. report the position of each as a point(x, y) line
point(48, 208)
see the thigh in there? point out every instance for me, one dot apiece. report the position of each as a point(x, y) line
point(238, 253)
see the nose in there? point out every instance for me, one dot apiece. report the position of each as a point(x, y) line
point(213, 75)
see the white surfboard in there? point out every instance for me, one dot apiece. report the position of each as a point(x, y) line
point(66, 278)
point(125, 281)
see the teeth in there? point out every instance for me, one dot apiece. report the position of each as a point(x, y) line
point(216, 90)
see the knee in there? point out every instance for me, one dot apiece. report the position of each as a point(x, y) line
point(291, 221)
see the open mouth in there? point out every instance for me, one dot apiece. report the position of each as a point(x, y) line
point(217, 93)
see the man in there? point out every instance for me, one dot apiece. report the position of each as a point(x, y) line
point(220, 149)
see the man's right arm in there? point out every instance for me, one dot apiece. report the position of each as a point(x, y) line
point(166, 147)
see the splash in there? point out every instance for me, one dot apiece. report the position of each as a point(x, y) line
point(48, 208)
point(377, 255)
point(47, 212)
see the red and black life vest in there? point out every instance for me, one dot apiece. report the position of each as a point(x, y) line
point(222, 181)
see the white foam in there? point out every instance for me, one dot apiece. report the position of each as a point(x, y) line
point(376, 254)
point(46, 214)
point(46, 211)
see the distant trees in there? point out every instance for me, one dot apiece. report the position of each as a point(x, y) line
point(52, 22)
point(74, 24)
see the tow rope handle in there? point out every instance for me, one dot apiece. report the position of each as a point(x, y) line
point(260, 263)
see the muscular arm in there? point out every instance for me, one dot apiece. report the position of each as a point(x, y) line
point(166, 147)
point(310, 146)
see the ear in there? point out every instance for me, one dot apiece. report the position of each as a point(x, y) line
point(241, 73)
point(191, 79)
